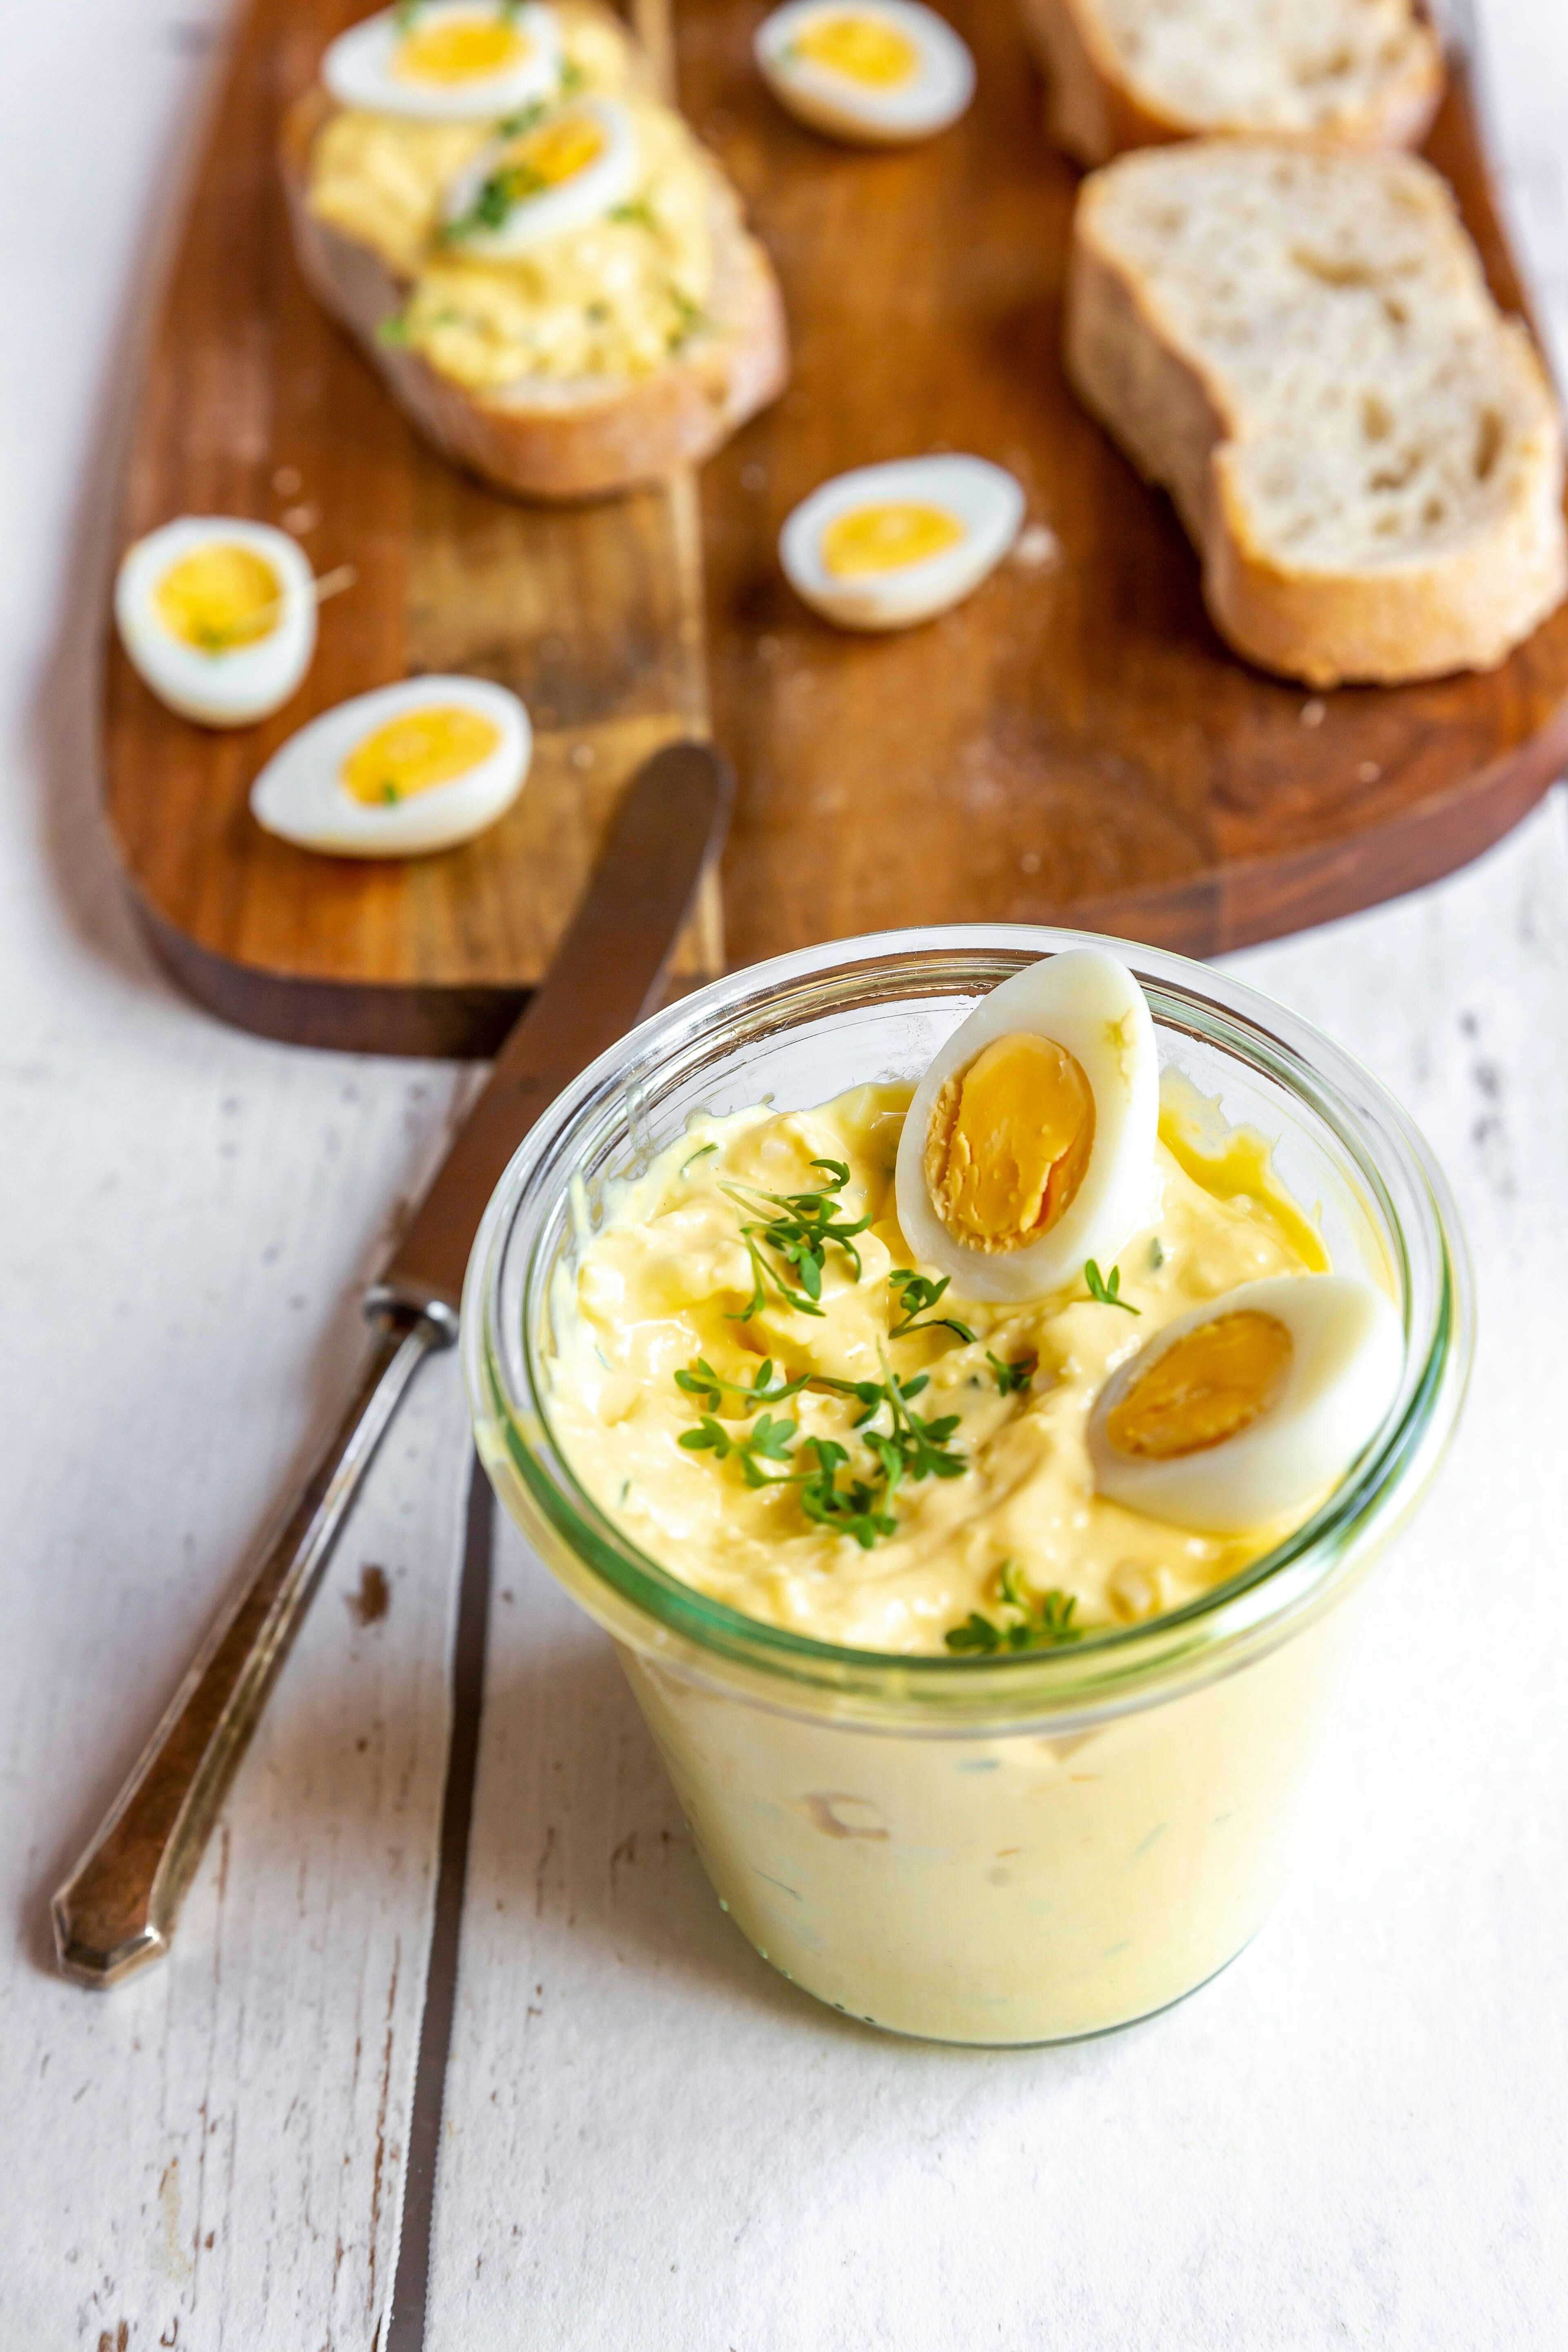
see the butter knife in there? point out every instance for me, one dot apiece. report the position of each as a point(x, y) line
point(116, 1910)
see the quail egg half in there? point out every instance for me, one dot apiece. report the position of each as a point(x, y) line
point(446, 60)
point(218, 617)
point(878, 73)
point(887, 546)
point(407, 769)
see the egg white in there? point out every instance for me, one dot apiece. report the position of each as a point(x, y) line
point(1349, 1352)
point(609, 180)
point(236, 688)
point(301, 796)
point(1086, 1002)
point(983, 498)
point(936, 94)
point(358, 68)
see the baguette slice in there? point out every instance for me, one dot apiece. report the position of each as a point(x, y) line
point(545, 437)
point(1139, 73)
point(1298, 345)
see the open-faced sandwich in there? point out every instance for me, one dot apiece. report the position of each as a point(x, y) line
point(552, 275)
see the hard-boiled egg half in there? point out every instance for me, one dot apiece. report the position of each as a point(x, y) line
point(409, 768)
point(446, 60)
point(887, 546)
point(878, 72)
point(573, 167)
point(218, 617)
point(1248, 1407)
point(1029, 1146)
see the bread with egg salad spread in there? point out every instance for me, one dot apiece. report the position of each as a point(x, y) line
point(1298, 343)
point(1137, 73)
point(562, 294)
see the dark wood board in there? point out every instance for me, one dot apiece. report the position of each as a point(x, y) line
point(1074, 744)
point(254, 403)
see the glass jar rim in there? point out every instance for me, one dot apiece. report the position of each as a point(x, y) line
point(656, 1611)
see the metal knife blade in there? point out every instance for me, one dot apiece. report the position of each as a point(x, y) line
point(116, 1910)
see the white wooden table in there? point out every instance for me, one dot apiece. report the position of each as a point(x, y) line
point(1355, 2136)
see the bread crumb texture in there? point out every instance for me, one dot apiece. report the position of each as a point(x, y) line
point(1317, 66)
point(1301, 345)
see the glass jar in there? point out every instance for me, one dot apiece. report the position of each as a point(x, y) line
point(1009, 1848)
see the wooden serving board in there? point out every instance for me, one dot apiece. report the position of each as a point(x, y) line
point(1074, 744)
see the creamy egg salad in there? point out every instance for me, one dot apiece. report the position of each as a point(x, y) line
point(565, 235)
point(990, 1364)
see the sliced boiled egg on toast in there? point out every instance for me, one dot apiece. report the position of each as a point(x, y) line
point(1251, 1405)
point(405, 770)
point(888, 546)
point(446, 60)
point(551, 176)
point(1029, 1146)
point(876, 72)
point(218, 617)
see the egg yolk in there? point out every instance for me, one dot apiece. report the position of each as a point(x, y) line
point(1009, 1142)
point(415, 751)
point(462, 48)
point(557, 151)
point(219, 597)
point(861, 49)
point(886, 538)
point(1208, 1387)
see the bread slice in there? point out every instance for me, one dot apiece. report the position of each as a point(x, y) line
point(1298, 345)
point(1139, 73)
point(541, 435)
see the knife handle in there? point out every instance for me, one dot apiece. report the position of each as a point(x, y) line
point(116, 1911)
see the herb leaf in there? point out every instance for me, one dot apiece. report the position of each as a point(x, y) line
point(1013, 1380)
point(800, 1231)
point(916, 1293)
point(1107, 1292)
point(1043, 1625)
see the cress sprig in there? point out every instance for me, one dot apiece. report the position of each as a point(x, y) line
point(915, 1294)
point(802, 1228)
point(1044, 1624)
point(1106, 1291)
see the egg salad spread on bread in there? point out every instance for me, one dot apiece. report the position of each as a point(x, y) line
point(568, 237)
point(999, 1363)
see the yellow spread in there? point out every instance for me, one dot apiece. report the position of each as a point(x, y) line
point(862, 48)
point(1009, 1142)
point(1207, 1388)
point(617, 297)
point(458, 50)
point(885, 538)
point(417, 751)
point(662, 1289)
point(218, 597)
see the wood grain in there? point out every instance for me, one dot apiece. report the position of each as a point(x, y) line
point(1075, 744)
point(255, 403)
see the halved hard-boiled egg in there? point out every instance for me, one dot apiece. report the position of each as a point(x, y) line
point(393, 773)
point(218, 617)
point(573, 167)
point(887, 546)
point(1250, 1406)
point(878, 72)
point(446, 60)
point(1029, 1146)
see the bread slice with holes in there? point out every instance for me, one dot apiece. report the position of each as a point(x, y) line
point(1138, 73)
point(456, 339)
point(1300, 345)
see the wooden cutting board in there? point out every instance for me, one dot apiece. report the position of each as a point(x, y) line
point(1074, 744)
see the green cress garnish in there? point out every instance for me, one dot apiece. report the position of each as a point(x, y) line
point(1108, 1292)
point(800, 1231)
point(1045, 1624)
point(1013, 1380)
point(915, 1294)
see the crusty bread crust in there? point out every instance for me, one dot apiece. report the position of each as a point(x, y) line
point(1094, 112)
point(1456, 608)
point(541, 437)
